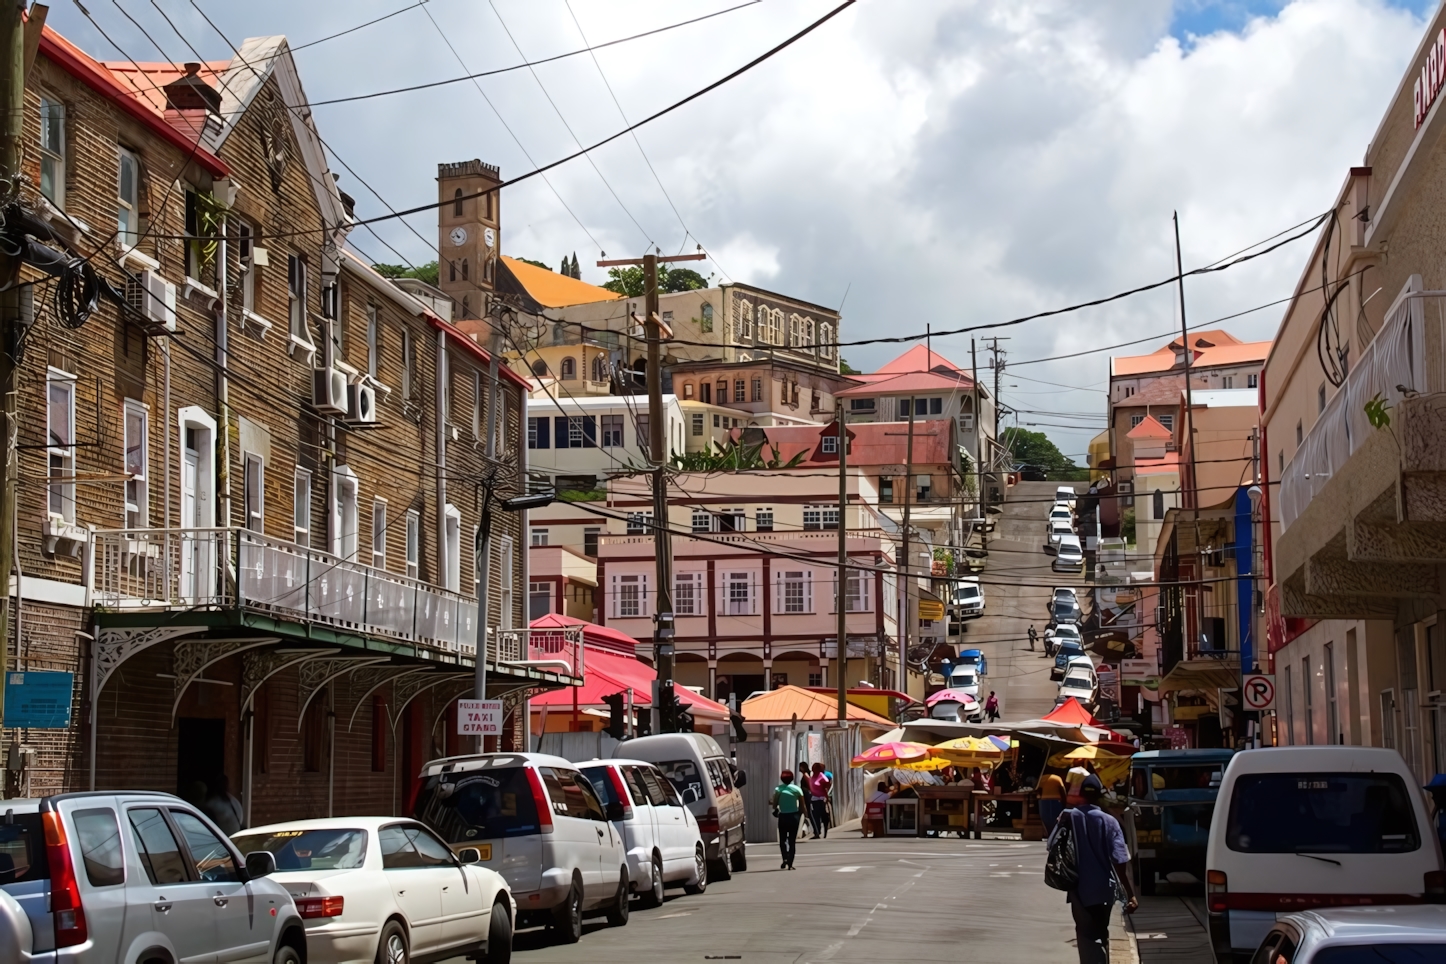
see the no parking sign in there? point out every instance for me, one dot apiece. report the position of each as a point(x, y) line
point(1257, 692)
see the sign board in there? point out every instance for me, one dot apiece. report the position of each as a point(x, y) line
point(931, 609)
point(858, 647)
point(1109, 684)
point(1258, 692)
point(479, 717)
point(40, 701)
point(1137, 669)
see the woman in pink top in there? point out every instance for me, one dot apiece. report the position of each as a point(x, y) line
point(820, 785)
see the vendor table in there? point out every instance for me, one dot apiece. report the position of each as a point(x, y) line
point(944, 808)
point(1030, 829)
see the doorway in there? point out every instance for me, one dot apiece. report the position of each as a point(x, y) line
point(200, 756)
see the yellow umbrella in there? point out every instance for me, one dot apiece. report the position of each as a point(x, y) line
point(970, 751)
point(1111, 765)
point(928, 764)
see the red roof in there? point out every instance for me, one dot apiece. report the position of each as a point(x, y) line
point(920, 369)
point(1149, 427)
point(870, 443)
point(606, 673)
point(593, 635)
point(1211, 348)
point(920, 358)
point(1070, 711)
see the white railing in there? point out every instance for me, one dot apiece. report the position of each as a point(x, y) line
point(543, 648)
point(1394, 360)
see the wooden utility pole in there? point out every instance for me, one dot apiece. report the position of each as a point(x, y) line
point(841, 603)
point(658, 454)
point(906, 563)
point(1188, 439)
point(978, 422)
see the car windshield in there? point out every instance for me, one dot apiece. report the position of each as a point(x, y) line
point(478, 804)
point(1059, 526)
point(1352, 813)
point(966, 592)
point(961, 677)
point(1069, 647)
point(339, 849)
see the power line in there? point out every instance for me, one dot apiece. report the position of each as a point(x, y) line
point(359, 26)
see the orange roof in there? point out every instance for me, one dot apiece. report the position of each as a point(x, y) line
point(920, 358)
point(1149, 427)
point(147, 81)
point(786, 702)
point(870, 443)
point(553, 290)
point(1211, 348)
point(1168, 464)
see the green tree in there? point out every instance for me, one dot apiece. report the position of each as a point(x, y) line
point(845, 368)
point(536, 264)
point(422, 272)
point(1035, 448)
point(629, 280)
point(735, 457)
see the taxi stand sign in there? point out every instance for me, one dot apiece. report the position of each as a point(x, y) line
point(479, 717)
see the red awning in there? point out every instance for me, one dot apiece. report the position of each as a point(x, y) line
point(606, 673)
point(1070, 711)
point(593, 635)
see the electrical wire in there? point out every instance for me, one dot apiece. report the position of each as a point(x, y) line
point(359, 26)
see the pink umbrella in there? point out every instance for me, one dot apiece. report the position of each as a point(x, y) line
point(958, 696)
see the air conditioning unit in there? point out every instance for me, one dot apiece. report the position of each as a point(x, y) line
point(1126, 488)
point(329, 390)
point(153, 297)
point(361, 402)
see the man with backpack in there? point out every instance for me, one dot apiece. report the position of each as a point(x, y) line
point(1088, 859)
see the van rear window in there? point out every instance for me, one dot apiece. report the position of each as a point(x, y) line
point(1321, 813)
point(684, 776)
point(478, 805)
point(22, 849)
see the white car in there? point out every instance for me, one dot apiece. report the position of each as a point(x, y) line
point(968, 599)
point(386, 889)
point(1062, 512)
point(1069, 554)
point(1055, 530)
point(1079, 681)
point(664, 845)
point(1059, 633)
point(1383, 934)
point(1066, 495)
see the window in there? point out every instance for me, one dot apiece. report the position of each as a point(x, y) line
point(825, 339)
point(409, 365)
point(538, 430)
point(414, 543)
point(1227, 381)
point(702, 521)
point(1333, 731)
point(345, 489)
point(697, 421)
point(795, 592)
point(723, 392)
point(717, 421)
point(1325, 813)
point(1306, 687)
point(886, 490)
point(52, 151)
point(465, 271)
point(212, 858)
point(374, 337)
point(612, 431)
point(1299, 434)
point(477, 405)
point(100, 847)
point(128, 204)
point(705, 323)
point(667, 318)
point(820, 517)
point(296, 290)
point(830, 445)
point(645, 440)
point(505, 617)
point(687, 391)
point(639, 523)
point(1166, 420)
point(137, 458)
point(757, 395)
point(628, 595)
point(936, 406)
point(922, 487)
point(688, 594)
point(569, 369)
point(856, 586)
point(379, 533)
point(732, 520)
point(1129, 390)
point(301, 507)
point(457, 203)
point(539, 536)
point(253, 492)
point(707, 392)
point(451, 535)
point(245, 248)
point(738, 592)
point(763, 521)
point(1157, 504)
point(60, 442)
point(1252, 381)
point(1280, 461)
point(1135, 420)
point(861, 405)
point(740, 390)
point(539, 599)
point(1289, 708)
point(157, 847)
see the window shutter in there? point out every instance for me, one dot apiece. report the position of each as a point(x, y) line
point(778, 592)
point(753, 593)
point(808, 591)
point(544, 426)
point(645, 601)
point(561, 433)
point(589, 431)
point(613, 600)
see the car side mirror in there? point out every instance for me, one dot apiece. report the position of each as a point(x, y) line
point(740, 778)
point(469, 855)
point(260, 863)
point(614, 811)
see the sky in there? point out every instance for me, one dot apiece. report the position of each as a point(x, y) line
point(923, 164)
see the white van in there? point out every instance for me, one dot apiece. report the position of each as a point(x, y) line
point(538, 822)
point(698, 769)
point(663, 843)
point(1069, 556)
point(1314, 826)
point(1065, 494)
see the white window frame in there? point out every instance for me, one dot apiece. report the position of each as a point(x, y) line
point(793, 592)
point(688, 594)
point(639, 523)
point(505, 565)
point(301, 506)
point(345, 513)
point(414, 543)
point(451, 535)
point(630, 596)
point(763, 520)
point(409, 364)
point(379, 533)
point(734, 602)
point(296, 300)
point(128, 207)
point(137, 468)
point(538, 536)
point(1252, 381)
point(374, 335)
point(477, 423)
point(52, 154)
point(830, 445)
point(60, 388)
point(702, 520)
point(253, 492)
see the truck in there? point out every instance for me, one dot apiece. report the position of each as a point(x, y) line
point(1171, 803)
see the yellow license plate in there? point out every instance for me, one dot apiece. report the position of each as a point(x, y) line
point(485, 850)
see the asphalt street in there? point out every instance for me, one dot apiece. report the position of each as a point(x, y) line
point(850, 899)
point(1018, 582)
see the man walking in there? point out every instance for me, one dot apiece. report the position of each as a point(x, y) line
point(1033, 636)
point(1102, 860)
point(787, 803)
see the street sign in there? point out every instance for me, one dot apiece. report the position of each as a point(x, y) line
point(1258, 692)
point(479, 717)
point(40, 701)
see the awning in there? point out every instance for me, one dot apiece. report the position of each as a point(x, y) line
point(593, 635)
point(1205, 675)
point(606, 673)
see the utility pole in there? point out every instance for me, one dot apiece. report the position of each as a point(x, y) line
point(996, 362)
point(841, 648)
point(658, 454)
point(907, 564)
point(12, 101)
point(978, 447)
point(1189, 433)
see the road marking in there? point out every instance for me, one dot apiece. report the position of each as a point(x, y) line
point(850, 870)
point(686, 913)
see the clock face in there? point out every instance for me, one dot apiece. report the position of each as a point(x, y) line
point(459, 236)
point(490, 237)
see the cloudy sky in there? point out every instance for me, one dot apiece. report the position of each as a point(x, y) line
point(921, 162)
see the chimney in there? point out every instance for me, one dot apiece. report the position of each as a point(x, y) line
point(192, 93)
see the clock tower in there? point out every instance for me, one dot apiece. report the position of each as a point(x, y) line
point(469, 239)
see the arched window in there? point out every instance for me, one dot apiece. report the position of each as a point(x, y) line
point(569, 369)
point(539, 368)
point(466, 307)
point(599, 369)
point(451, 271)
point(825, 337)
point(464, 269)
point(687, 389)
point(489, 269)
point(1158, 508)
point(457, 203)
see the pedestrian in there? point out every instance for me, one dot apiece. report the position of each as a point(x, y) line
point(1051, 798)
point(1074, 778)
point(976, 777)
point(1101, 861)
point(876, 809)
point(1033, 636)
point(803, 771)
point(787, 803)
point(991, 707)
point(223, 808)
point(1437, 789)
point(820, 786)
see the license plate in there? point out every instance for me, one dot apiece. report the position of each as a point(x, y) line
point(485, 850)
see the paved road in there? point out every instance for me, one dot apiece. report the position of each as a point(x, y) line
point(849, 900)
point(1017, 582)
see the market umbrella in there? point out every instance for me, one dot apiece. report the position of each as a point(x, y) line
point(894, 755)
point(1111, 765)
point(970, 751)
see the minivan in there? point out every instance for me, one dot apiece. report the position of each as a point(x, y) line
point(697, 768)
point(537, 821)
point(1066, 494)
point(968, 600)
point(661, 835)
point(130, 876)
point(1314, 826)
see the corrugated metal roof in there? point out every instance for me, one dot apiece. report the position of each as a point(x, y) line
point(553, 290)
point(786, 702)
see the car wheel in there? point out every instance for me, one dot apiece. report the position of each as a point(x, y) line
point(286, 954)
point(700, 869)
point(392, 948)
point(567, 916)
point(618, 913)
point(738, 860)
point(654, 895)
point(499, 936)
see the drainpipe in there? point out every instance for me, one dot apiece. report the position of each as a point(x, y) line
point(222, 384)
point(441, 456)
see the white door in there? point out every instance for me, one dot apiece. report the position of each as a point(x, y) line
point(191, 561)
point(416, 881)
point(673, 836)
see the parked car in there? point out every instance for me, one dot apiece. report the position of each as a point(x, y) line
point(1064, 606)
point(386, 889)
point(968, 599)
point(1079, 681)
point(660, 835)
point(955, 706)
point(538, 822)
point(1069, 649)
point(1061, 512)
point(700, 772)
point(1054, 531)
point(1069, 555)
point(1343, 935)
point(1315, 826)
point(136, 877)
point(1033, 473)
point(1172, 802)
point(1058, 634)
point(962, 678)
point(1066, 494)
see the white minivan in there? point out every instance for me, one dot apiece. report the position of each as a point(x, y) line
point(537, 821)
point(663, 844)
point(1314, 826)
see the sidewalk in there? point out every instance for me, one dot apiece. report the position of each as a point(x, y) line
point(1165, 930)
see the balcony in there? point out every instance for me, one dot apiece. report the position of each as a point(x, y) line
point(200, 571)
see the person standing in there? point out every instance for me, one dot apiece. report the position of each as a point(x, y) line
point(1101, 859)
point(787, 803)
point(1051, 799)
point(820, 785)
point(802, 780)
point(991, 707)
point(1437, 790)
point(1033, 636)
